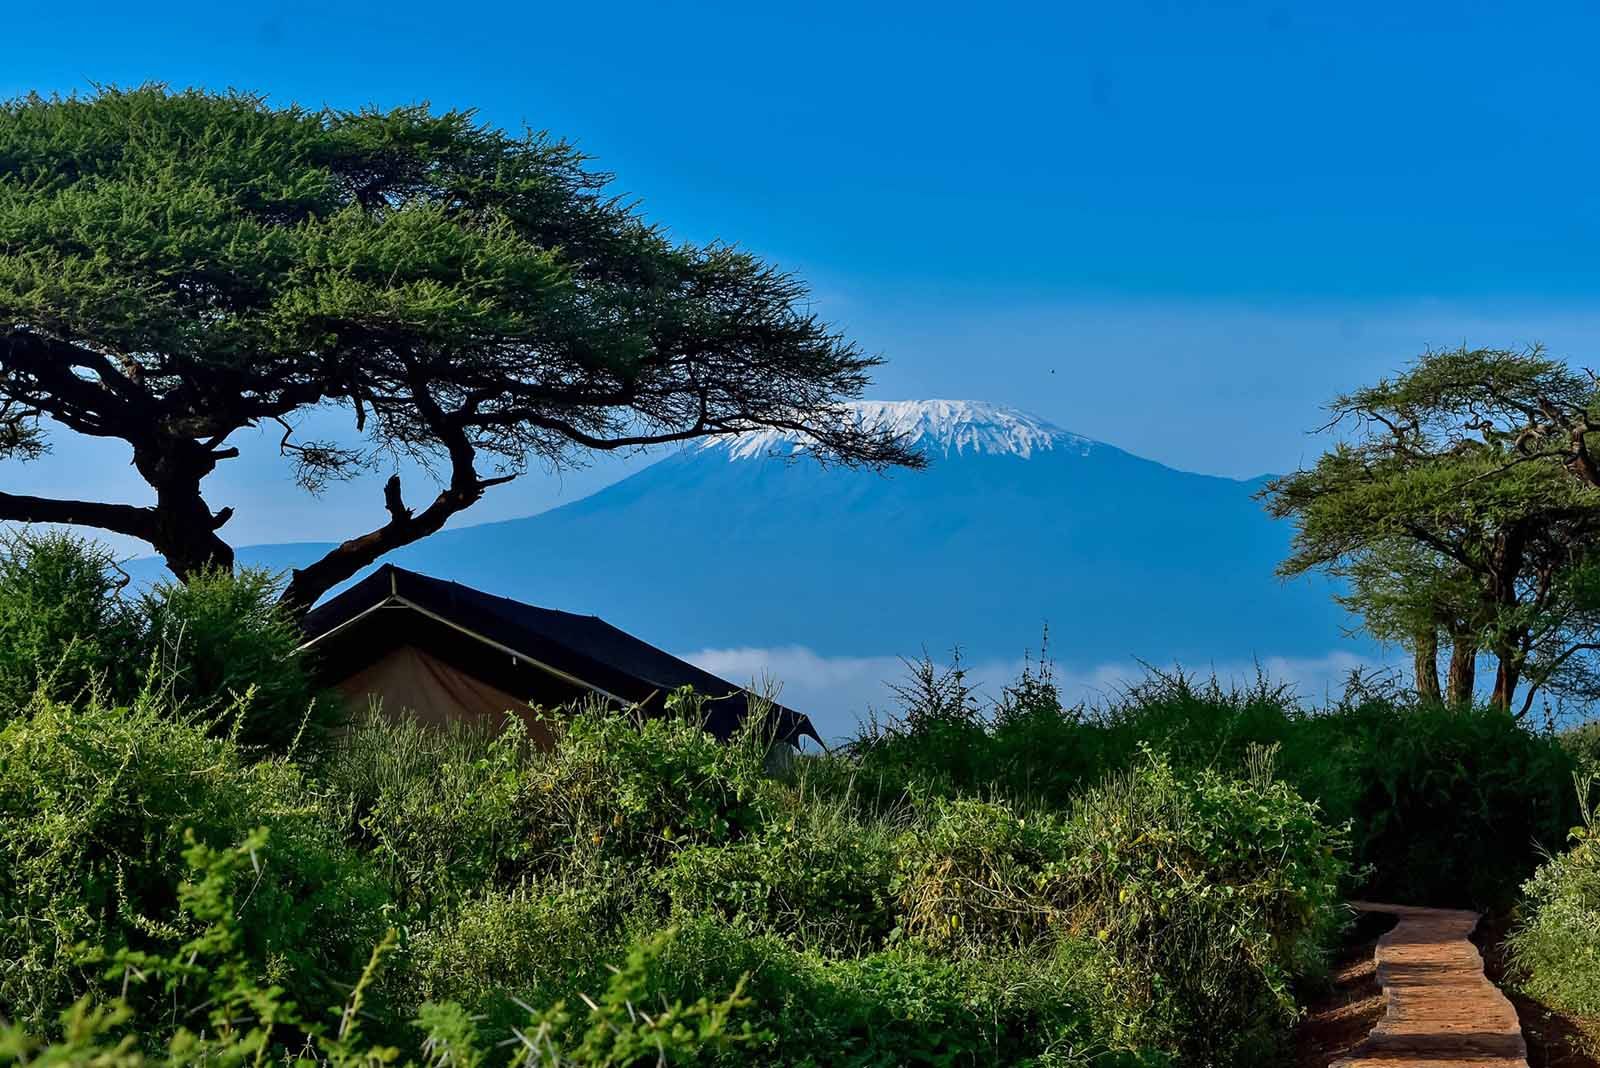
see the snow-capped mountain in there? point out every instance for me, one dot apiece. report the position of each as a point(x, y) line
point(1013, 525)
point(942, 428)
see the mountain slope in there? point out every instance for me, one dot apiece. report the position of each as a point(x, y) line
point(1015, 524)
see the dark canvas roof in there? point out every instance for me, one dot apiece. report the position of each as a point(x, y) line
point(394, 606)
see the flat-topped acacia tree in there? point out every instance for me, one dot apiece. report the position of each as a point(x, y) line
point(178, 266)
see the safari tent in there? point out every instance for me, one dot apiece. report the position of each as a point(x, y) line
point(442, 651)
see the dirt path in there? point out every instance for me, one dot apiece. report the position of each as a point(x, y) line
point(1440, 1010)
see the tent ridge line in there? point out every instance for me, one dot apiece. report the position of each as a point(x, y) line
point(364, 613)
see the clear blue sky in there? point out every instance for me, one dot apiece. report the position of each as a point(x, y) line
point(1175, 227)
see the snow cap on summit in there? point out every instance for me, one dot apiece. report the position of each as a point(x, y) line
point(941, 427)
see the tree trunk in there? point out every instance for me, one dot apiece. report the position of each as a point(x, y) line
point(1507, 565)
point(184, 531)
point(1425, 655)
point(1510, 656)
point(189, 547)
point(1506, 676)
point(1463, 675)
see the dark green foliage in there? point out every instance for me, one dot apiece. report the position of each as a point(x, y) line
point(902, 1006)
point(1446, 806)
point(1208, 897)
point(1583, 742)
point(1204, 898)
point(176, 267)
point(66, 630)
point(224, 1012)
point(816, 874)
point(1148, 883)
point(223, 635)
point(619, 792)
point(977, 874)
point(441, 812)
point(63, 628)
point(95, 805)
point(531, 944)
point(1029, 748)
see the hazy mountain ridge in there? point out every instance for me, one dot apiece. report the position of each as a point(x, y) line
point(1014, 524)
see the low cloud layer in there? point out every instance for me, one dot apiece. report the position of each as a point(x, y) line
point(841, 692)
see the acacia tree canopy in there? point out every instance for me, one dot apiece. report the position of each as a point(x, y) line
point(1446, 513)
point(176, 267)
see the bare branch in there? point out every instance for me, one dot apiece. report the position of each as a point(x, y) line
point(126, 519)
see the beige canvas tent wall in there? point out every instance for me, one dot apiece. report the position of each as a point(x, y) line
point(410, 681)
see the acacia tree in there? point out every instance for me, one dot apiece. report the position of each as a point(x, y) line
point(1441, 526)
point(1411, 595)
point(177, 267)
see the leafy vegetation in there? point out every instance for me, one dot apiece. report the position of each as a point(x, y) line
point(223, 636)
point(96, 806)
point(1445, 806)
point(221, 646)
point(63, 628)
point(912, 900)
point(1555, 947)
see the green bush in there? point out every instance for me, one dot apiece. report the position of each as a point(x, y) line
point(505, 949)
point(1447, 806)
point(1160, 911)
point(221, 635)
point(817, 875)
point(976, 876)
point(447, 812)
point(1583, 744)
point(95, 805)
point(619, 793)
point(1208, 897)
point(441, 811)
point(63, 628)
point(1554, 947)
point(900, 1006)
point(238, 1018)
point(1027, 748)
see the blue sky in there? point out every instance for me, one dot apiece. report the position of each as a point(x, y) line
point(1179, 228)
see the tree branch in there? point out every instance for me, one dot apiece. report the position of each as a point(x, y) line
point(1545, 676)
point(126, 519)
point(309, 583)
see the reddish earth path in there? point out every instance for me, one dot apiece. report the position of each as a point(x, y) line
point(1440, 1009)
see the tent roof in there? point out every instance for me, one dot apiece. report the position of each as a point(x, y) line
point(582, 650)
